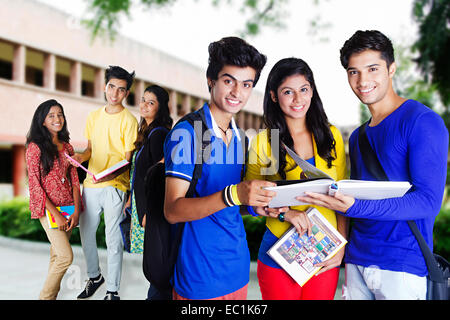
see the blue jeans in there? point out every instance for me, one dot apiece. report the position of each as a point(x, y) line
point(110, 201)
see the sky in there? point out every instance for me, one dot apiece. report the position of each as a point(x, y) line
point(185, 29)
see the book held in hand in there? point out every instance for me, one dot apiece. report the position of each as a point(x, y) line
point(297, 255)
point(319, 182)
point(287, 191)
point(102, 174)
point(66, 212)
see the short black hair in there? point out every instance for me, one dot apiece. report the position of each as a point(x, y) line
point(367, 40)
point(116, 72)
point(233, 51)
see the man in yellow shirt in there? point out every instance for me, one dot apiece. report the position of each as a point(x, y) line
point(111, 132)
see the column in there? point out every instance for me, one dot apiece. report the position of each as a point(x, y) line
point(49, 71)
point(240, 120)
point(257, 122)
point(200, 103)
point(173, 105)
point(99, 83)
point(138, 91)
point(19, 62)
point(75, 78)
point(19, 170)
point(186, 104)
point(248, 120)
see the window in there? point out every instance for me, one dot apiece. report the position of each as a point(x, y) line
point(87, 81)
point(6, 163)
point(62, 70)
point(34, 67)
point(6, 59)
point(132, 96)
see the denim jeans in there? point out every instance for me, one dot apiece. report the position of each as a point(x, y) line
point(110, 201)
point(373, 283)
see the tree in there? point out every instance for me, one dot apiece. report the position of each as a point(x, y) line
point(259, 13)
point(433, 45)
point(432, 16)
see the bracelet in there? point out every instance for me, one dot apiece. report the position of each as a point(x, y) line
point(281, 217)
point(234, 195)
point(226, 197)
point(252, 211)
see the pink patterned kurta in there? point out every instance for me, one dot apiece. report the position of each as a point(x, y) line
point(56, 185)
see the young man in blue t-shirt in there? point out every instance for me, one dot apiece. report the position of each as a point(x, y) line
point(213, 260)
point(383, 258)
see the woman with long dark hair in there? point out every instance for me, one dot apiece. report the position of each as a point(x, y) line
point(154, 125)
point(53, 182)
point(293, 109)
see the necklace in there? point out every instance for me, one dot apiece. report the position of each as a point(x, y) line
point(224, 131)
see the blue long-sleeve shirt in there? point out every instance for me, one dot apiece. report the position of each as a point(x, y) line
point(411, 145)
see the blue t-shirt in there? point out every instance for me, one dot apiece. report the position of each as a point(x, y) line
point(269, 240)
point(213, 258)
point(411, 145)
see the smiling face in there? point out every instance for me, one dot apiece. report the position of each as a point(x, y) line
point(294, 96)
point(232, 89)
point(148, 108)
point(116, 91)
point(369, 76)
point(54, 121)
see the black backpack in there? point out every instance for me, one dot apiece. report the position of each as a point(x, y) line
point(162, 239)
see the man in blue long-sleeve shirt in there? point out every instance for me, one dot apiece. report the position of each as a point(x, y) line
point(383, 259)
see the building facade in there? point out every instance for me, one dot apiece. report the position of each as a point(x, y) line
point(44, 55)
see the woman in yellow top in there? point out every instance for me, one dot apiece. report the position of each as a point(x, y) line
point(294, 115)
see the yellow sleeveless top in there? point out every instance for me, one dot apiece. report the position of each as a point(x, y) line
point(262, 165)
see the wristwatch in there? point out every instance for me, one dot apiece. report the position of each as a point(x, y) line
point(281, 217)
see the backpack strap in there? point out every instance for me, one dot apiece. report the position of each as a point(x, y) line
point(373, 165)
point(197, 120)
point(138, 153)
point(369, 157)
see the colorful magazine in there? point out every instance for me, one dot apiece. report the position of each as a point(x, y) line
point(298, 255)
point(66, 212)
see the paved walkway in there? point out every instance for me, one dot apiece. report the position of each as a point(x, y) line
point(24, 264)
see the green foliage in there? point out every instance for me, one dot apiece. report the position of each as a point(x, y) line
point(255, 228)
point(107, 13)
point(16, 222)
point(364, 113)
point(433, 43)
point(441, 232)
point(104, 15)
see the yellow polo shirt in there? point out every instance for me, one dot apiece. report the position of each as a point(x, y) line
point(111, 136)
point(262, 165)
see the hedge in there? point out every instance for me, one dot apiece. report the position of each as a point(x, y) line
point(15, 222)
